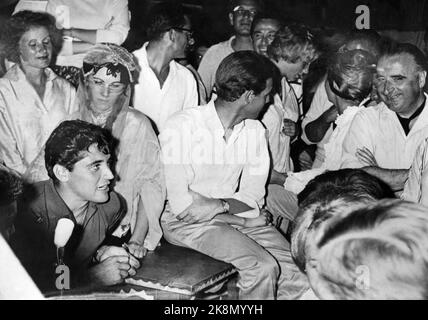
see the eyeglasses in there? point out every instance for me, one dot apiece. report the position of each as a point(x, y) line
point(243, 12)
point(188, 32)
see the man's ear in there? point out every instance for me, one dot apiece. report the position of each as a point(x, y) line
point(422, 75)
point(170, 35)
point(61, 173)
point(231, 19)
point(249, 96)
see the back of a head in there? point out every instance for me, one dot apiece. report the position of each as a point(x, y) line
point(332, 184)
point(368, 40)
point(70, 141)
point(163, 17)
point(239, 72)
point(327, 195)
point(350, 74)
point(293, 42)
point(377, 252)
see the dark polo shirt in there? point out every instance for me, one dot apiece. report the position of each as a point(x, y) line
point(41, 209)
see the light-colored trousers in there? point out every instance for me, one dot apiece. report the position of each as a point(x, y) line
point(260, 254)
point(282, 204)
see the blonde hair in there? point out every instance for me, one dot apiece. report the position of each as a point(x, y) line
point(388, 240)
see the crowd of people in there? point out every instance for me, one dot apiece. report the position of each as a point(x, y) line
point(298, 157)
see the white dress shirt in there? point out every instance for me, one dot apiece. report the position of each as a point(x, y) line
point(196, 157)
point(319, 105)
point(416, 186)
point(296, 181)
point(109, 17)
point(273, 119)
point(211, 60)
point(26, 121)
point(178, 92)
point(378, 129)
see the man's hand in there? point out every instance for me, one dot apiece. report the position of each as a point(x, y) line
point(330, 114)
point(366, 157)
point(305, 161)
point(106, 252)
point(264, 219)
point(109, 251)
point(289, 128)
point(113, 270)
point(201, 209)
point(136, 249)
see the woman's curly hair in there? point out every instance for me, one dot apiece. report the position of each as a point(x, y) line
point(20, 23)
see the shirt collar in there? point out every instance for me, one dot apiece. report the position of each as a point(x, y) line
point(56, 207)
point(214, 123)
point(144, 62)
point(15, 73)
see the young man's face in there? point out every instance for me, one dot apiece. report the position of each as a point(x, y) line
point(399, 83)
point(263, 35)
point(90, 178)
point(242, 17)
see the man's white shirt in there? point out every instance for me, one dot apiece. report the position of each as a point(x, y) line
point(196, 157)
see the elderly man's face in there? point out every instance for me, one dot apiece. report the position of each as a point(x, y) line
point(242, 17)
point(399, 83)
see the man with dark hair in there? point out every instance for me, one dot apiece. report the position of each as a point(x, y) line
point(328, 195)
point(216, 165)
point(77, 160)
point(164, 86)
point(263, 31)
point(241, 15)
point(383, 140)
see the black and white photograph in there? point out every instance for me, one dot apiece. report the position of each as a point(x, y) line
point(214, 155)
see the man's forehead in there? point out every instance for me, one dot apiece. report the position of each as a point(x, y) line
point(401, 63)
point(266, 24)
point(248, 4)
point(92, 154)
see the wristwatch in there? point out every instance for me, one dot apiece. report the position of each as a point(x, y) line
point(225, 205)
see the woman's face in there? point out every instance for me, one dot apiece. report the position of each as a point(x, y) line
point(104, 89)
point(35, 48)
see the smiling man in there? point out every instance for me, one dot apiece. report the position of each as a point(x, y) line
point(77, 159)
point(241, 15)
point(384, 139)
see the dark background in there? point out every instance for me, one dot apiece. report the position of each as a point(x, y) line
point(211, 23)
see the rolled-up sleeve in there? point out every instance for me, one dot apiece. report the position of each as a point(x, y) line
point(9, 151)
point(119, 28)
point(359, 136)
point(175, 150)
point(252, 186)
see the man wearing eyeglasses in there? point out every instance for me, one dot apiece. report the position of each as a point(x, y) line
point(164, 86)
point(241, 15)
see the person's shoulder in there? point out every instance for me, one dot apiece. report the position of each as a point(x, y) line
point(251, 124)
point(217, 50)
point(184, 73)
point(113, 206)
point(137, 116)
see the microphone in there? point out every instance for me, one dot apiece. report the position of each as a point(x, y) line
point(63, 231)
